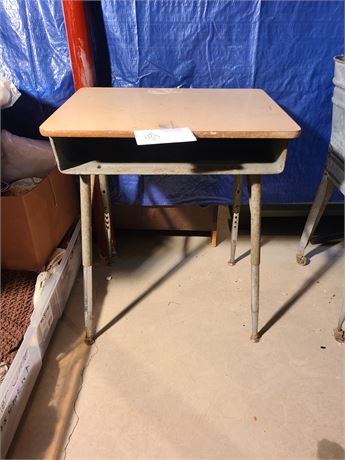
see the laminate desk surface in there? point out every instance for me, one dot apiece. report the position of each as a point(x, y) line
point(209, 113)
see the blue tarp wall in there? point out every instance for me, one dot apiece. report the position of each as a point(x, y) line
point(283, 47)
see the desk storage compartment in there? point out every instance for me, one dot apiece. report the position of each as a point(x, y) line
point(205, 156)
point(33, 224)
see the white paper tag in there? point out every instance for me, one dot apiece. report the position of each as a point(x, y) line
point(163, 136)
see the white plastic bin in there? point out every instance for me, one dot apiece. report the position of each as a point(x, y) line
point(16, 387)
point(19, 380)
point(56, 292)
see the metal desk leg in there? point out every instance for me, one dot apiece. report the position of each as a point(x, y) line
point(323, 194)
point(103, 184)
point(339, 333)
point(86, 236)
point(254, 183)
point(235, 217)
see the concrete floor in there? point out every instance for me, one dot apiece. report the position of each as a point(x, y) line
point(173, 373)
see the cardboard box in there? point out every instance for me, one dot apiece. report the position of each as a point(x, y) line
point(32, 225)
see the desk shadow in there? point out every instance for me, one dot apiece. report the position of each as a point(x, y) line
point(320, 249)
point(214, 167)
point(301, 291)
point(330, 450)
point(186, 256)
point(247, 253)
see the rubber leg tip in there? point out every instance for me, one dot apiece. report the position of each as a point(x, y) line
point(302, 260)
point(255, 338)
point(89, 340)
point(339, 335)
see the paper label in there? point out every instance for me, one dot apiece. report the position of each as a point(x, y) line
point(163, 136)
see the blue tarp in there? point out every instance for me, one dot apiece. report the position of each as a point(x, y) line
point(283, 47)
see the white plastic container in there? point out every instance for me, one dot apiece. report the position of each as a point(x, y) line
point(19, 380)
point(56, 292)
point(16, 387)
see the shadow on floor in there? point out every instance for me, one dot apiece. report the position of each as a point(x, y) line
point(298, 294)
point(320, 249)
point(186, 256)
point(330, 450)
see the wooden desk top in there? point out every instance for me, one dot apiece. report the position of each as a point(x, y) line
point(209, 113)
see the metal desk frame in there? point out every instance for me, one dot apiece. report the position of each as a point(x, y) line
point(253, 172)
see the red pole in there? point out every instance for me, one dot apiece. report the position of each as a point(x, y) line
point(84, 74)
point(79, 43)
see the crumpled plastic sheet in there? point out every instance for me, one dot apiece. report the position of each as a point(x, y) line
point(9, 94)
point(34, 51)
point(283, 47)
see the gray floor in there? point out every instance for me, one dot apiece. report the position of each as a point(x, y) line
point(173, 373)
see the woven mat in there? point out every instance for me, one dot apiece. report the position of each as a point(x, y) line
point(16, 306)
